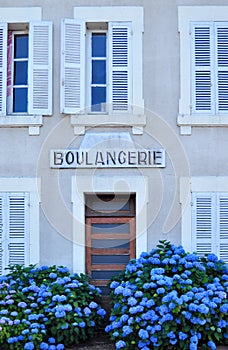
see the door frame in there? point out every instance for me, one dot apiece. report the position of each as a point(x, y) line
point(85, 185)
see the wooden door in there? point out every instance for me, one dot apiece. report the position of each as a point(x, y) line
point(110, 241)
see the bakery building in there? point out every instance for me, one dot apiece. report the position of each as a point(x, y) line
point(113, 131)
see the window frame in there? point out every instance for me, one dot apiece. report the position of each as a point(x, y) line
point(136, 118)
point(10, 105)
point(18, 17)
point(186, 15)
point(88, 79)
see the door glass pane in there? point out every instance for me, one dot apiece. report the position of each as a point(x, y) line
point(98, 99)
point(20, 72)
point(99, 45)
point(110, 243)
point(110, 259)
point(98, 72)
point(110, 203)
point(20, 100)
point(103, 275)
point(21, 46)
point(111, 228)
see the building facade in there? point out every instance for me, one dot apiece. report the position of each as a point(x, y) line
point(113, 124)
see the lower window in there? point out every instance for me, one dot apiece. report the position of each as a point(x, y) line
point(210, 223)
point(14, 229)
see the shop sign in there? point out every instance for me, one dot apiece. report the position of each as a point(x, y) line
point(109, 158)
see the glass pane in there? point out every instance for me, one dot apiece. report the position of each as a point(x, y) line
point(21, 46)
point(98, 99)
point(99, 45)
point(110, 259)
point(20, 73)
point(103, 275)
point(98, 72)
point(110, 243)
point(111, 228)
point(20, 100)
point(105, 290)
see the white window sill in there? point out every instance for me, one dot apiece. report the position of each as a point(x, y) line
point(33, 122)
point(80, 122)
point(186, 122)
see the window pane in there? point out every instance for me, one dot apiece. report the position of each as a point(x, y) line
point(20, 100)
point(98, 98)
point(98, 72)
point(21, 46)
point(98, 45)
point(21, 73)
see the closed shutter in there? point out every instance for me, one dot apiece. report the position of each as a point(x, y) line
point(221, 32)
point(203, 223)
point(40, 68)
point(3, 67)
point(223, 227)
point(72, 99)
point(202, 68)
point(1, 234)
point(17, 229)
point(121, 75)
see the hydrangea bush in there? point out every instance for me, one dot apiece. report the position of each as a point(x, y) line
point(170, 299)
point(46, 308)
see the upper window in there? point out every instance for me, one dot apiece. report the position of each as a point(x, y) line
point(203, 67)
point(101, 57)
point(25, 68)
point(210, 68)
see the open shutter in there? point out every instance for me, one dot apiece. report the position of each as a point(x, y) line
point(223, 227)
point(221, 32)
point(18, 230)
point(40, 68)
point(121, 75)
point(203, 223)
point(72, 94)
point(201, 68)
point(3, 67)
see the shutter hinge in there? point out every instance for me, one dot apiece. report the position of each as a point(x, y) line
point(191, 203)
point(190, 107)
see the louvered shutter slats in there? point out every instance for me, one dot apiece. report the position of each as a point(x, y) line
point(222, 67)
point(120, 62)
point(17, 229)
point(40, 68)
point(203, 225)
point(72, 66)
point(223, 228)
point(202, 69)
point(1, 233)
point(3, 67)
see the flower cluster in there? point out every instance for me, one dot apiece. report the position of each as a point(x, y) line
point(46, 308)
point(170, 299)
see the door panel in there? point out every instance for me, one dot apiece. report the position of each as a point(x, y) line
point(110, 244)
